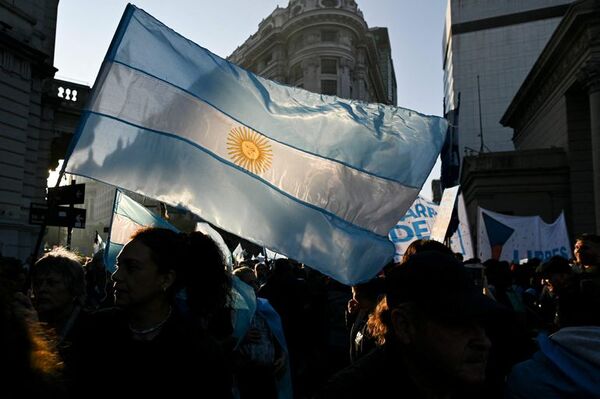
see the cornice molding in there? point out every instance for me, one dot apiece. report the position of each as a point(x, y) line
point(564, 50)
point(557, 74)
point(589, 75)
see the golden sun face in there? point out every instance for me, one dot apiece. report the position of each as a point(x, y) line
point(249, 150)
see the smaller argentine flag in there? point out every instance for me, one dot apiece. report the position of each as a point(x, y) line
point(128, 216)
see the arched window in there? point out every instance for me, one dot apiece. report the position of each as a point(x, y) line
point(296, 73)
point(329, 66)
point(329, 36)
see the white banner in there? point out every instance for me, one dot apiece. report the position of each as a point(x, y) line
point(418, 222)
point(442, 221)
point(513, 238)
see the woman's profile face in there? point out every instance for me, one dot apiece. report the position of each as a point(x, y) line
point(137, 279)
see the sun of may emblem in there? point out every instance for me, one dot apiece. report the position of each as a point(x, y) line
point(249, 150)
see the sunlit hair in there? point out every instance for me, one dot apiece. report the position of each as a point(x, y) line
point(28, 353)
point(68, 265)
point(379, 324)
point(242, 272)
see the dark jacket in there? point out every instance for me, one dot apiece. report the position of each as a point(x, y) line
point(375, 375)
point(179, 361)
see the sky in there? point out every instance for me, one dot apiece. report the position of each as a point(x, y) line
point(85, 28)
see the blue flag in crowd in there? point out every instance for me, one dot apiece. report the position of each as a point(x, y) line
point(128, 216)
point(317, 178)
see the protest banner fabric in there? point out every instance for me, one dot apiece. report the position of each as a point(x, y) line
point(418, 222)
point(513, 238)
point(442, 220)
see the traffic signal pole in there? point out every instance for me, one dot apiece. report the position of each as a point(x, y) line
point(70, 228)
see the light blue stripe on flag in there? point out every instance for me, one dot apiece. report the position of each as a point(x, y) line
point(318, 178)
point(128, 216)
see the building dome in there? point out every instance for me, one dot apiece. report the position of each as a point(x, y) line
point(324, 46)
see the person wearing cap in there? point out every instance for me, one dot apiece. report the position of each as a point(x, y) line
point(554, 272)
point(429, 330)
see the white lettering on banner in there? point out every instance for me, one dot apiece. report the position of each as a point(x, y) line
point(416, 230)
point(417, 224)
point(420, 210)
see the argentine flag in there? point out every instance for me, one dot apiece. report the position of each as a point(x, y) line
point(317, 178)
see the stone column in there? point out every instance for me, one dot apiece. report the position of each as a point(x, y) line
point(590, 77)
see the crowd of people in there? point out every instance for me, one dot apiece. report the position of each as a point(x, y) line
point(171, 319)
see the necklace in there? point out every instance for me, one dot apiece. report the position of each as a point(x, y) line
point(153, 328)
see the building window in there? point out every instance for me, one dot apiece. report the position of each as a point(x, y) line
point(329, 66)
point(329, 87)
point(297, 73)
point(329, 36)
point(297, 43)
point(268, 58)
point(329, 3)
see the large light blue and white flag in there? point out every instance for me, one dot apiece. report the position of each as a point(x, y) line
point(128, 216)
point(317, 178)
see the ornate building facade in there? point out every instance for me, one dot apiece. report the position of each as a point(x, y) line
point(27, 31)
point(324, 46)
point(38, 115)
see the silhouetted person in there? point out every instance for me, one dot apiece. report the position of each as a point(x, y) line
point(146, 345)
point(428, 326)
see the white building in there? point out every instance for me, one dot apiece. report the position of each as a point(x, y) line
point(499, 41)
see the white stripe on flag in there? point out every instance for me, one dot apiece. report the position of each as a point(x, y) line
point(362, 199)
point(122, 229)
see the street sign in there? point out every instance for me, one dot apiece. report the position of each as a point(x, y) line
point(78, 218)
point(66, 217)
point(37, 213)
point(73, 194)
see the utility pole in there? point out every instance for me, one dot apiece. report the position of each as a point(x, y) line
point(481, 147)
